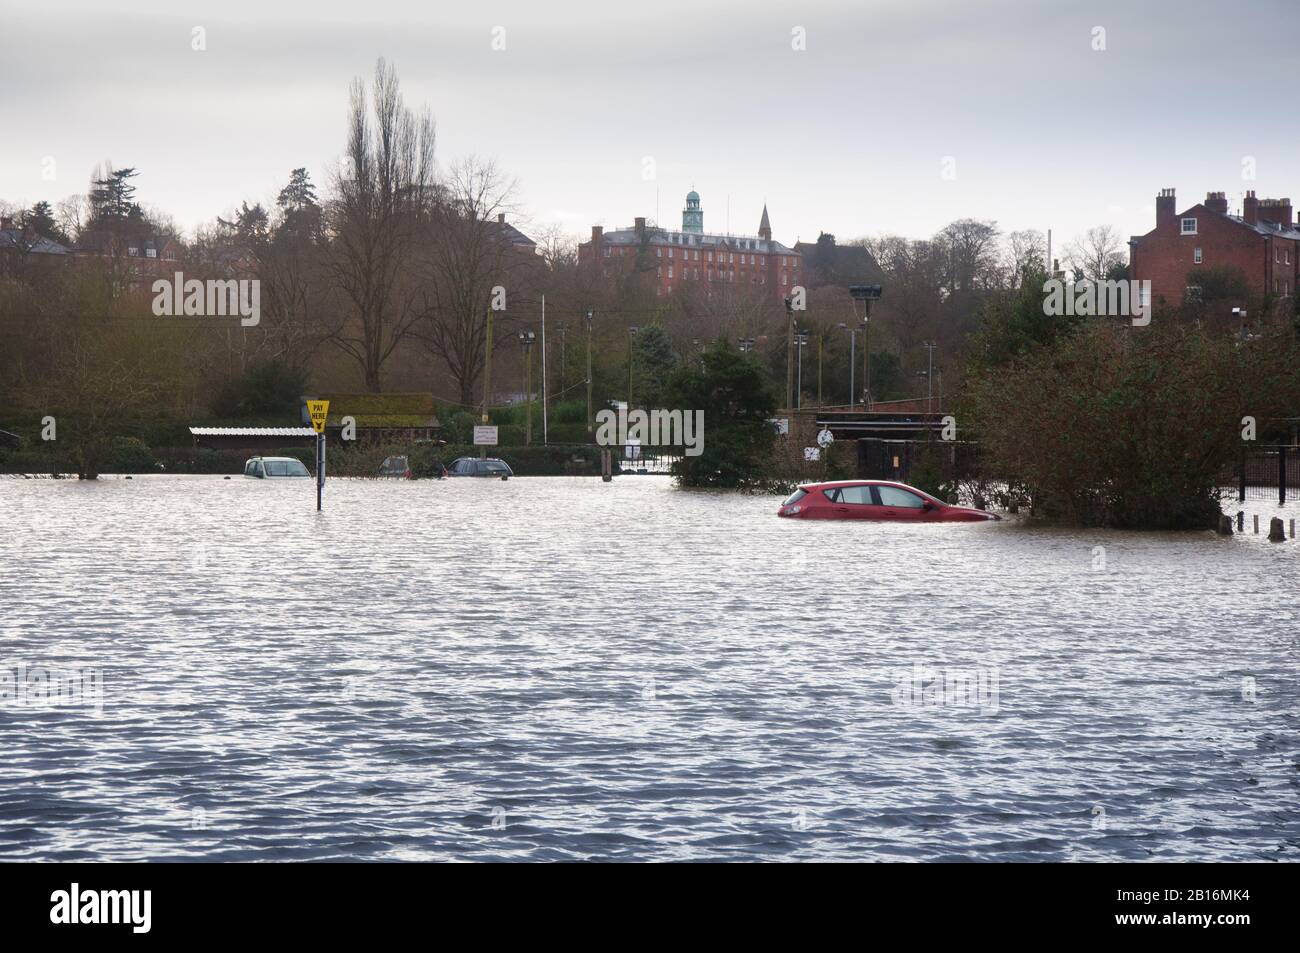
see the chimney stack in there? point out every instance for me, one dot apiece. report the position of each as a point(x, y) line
point(1217, 202)
point(1165, 210)
point(640, 224)
point(501, 217)
point(1277, 211)
point(1250, 208)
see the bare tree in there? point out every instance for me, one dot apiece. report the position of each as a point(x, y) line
point(382, 195)
point(1095, 253)
point(1027, 252)
point(467, 254)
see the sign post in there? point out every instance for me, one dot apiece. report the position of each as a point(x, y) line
point(319, 412)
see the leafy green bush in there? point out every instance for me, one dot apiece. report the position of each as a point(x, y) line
point(130, 455)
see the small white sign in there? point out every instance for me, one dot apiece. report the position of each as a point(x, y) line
point(825, 438)
point(812, 453)
point(780, 424)
point(485, 436)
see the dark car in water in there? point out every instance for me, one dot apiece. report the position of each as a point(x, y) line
point(480, 467)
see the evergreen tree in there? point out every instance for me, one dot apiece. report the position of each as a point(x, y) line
point(113, 197)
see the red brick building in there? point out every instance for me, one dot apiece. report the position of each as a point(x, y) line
point(671, 259)
point(1262, 243)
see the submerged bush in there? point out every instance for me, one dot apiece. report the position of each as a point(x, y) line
point(1113, 425)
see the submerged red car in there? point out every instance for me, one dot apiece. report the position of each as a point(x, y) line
point(874, 500)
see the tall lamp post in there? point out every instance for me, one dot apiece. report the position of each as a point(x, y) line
point(801, 339)
point(789, 354)
point(591, 422)
point(929, 376)
point(866, 294)
point(853, 363)
point(631, 364)
point(526, 339)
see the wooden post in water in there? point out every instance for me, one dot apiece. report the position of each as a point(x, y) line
point(1241, 521)
point(1276, 534)
point(1225, 525)
point(1256, 522)
point(1241, 478)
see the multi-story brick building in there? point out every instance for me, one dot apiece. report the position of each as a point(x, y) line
point(673, 258)
point(1262, 243)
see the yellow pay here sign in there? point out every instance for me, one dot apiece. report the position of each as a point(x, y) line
point(319, 410)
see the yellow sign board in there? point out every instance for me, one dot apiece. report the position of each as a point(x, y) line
point(319, 410)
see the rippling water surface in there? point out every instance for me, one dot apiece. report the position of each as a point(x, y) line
point(563, 669)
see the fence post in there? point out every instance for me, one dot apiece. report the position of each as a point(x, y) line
point(1281, 475)
point(1241, 477)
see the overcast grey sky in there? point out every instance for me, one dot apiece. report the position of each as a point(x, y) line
point(848, 135)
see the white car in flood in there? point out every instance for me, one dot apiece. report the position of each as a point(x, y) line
point(261, 468)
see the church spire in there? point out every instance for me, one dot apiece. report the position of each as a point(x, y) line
point(764, 226)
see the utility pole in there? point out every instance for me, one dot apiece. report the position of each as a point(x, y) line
point(801, 339)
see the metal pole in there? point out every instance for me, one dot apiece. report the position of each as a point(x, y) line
point(629, 370)
point(591, 425)
point(929, 381)
point(528, 391)
point(1281, 475)
point(487, 378)
point(820, 339)
point(320, 468)
point(798, 395)
point(853, 361)
point(866, 353)
point(545, 430)
point(789, 356)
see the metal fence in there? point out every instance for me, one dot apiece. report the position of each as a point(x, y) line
point(904, 460)
point(1266, 473)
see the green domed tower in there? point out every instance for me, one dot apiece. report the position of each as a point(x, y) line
point(693, 215)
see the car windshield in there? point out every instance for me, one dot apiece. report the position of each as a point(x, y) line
point(795, 497)
point(494, 466)
point(285, 468)
point(894, 496)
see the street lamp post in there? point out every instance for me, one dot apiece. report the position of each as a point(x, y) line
point(801, 339)
point(929, 377)
point(591, 422)
point(853, 363)
point(526, 339)
point(789, 354)
point(631, 335)
point(866, 294)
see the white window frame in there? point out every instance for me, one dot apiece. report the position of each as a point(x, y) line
point(1184, 230)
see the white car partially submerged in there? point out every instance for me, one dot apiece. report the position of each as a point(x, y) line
point(261, 468)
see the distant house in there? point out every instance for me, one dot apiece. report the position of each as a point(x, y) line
point(22, 247)
point(826, 263)
point(1262, 244)
point(380, 418)
point(145, 254)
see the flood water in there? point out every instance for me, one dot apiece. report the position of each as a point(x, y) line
point(559, 669)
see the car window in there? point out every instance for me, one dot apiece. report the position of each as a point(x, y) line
point(796, 496)
point(893, 496)
point(494, 466)
point(856, 495)
point(248, 468)
point(257, 469)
